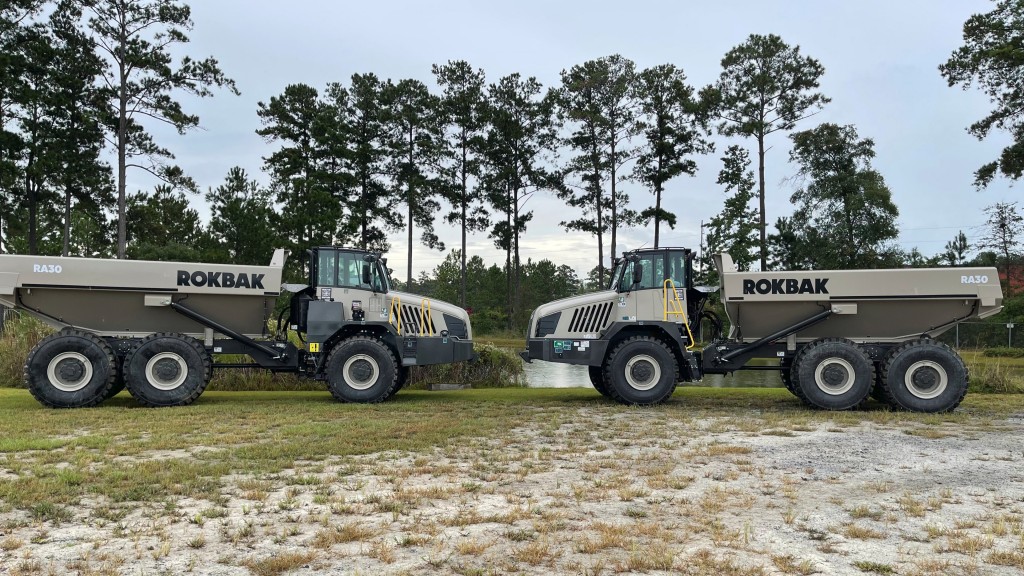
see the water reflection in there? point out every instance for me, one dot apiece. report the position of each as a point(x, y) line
point(554, 375)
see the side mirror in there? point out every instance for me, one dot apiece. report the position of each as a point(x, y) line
point(638, 273)
point(366, 274)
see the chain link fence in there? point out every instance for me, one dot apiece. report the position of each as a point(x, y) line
point(985, 335)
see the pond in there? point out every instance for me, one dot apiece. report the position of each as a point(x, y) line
point(555, 375)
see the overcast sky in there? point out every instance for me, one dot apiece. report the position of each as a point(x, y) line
point(880, 58)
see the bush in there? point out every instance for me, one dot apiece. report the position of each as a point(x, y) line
point(995, 379)
point(1004, 352)
point(495, 368)
point(21, 333)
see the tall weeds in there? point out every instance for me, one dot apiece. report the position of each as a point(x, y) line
point(496, 367)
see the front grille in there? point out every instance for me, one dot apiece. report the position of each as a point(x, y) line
point(590, 319)
point(411, 321)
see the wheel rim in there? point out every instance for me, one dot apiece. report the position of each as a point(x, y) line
point(926, 379)
point(69, 371)
point(360, 371)
point(834, 376)
point(166, 371)
point(643, 372)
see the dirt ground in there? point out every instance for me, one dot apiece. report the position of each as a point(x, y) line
point(588, 492)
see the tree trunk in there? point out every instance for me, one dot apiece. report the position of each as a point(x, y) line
point(615, 204)
point(67, 220)
point(508, 265)
point(33, 209)
point(462, 273)
point(760, 196)
point(122, 169)
point(409, 199)
point(517, 297)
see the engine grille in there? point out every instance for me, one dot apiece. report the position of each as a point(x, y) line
point(411, 320)
point(590, 319)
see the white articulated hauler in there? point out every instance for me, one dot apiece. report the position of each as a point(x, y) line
point(839, 335)
point(154, 327)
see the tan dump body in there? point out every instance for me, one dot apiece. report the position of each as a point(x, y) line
point(868, 305)
point(128, 298)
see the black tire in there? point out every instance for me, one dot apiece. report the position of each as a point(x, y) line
point(403, 381)
point(597, 379)
point(118, 385)
point(641, 371)
point(786, 374)
point(924, 376)
point(70, 369)
point(362, 369)
point(833, 374)
point(876, 390)
point(167, 370)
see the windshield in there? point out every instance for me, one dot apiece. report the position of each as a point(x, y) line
point(616, 275)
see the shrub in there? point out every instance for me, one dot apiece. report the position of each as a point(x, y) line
point(1004, 352)
point(995, 379)
point(21, 333)
point(495, 368)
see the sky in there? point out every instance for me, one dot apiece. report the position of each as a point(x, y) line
point(881, 71)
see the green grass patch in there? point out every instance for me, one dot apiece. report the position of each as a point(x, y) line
point(122, 453)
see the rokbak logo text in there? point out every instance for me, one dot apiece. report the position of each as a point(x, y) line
point(786, 286)
point(220, 279)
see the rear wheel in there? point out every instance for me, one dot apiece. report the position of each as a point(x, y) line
point(167, 370)
point(118, 383)
point(362, 369)
point(640, 371)
point(70, 369)
point(597, 379)
point(786, 374)
point(924, 376)
point(833, 374)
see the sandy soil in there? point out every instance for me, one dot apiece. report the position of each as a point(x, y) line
point(588, 492)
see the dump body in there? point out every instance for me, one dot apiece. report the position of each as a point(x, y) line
point(870, 306)
point(127, 298)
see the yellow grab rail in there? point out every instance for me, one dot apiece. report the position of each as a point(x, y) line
point(425, 311)
point(396, 304)
point(677, 308)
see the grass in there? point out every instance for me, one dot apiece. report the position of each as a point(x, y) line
point(130, 454)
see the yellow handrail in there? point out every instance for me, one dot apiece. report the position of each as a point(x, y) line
point(425, 310)
point(677, 308)
point(396, 304)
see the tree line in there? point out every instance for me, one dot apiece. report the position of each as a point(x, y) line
point(366, 157)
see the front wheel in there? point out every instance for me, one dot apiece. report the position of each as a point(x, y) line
point(597, 379)
point(362, 369)
point(924, 376)
point(641, 371)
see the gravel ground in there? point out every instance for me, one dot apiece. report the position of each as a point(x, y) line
point(583, 491)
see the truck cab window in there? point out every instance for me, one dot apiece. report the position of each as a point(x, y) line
point(677, 269)
point(325, 267)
